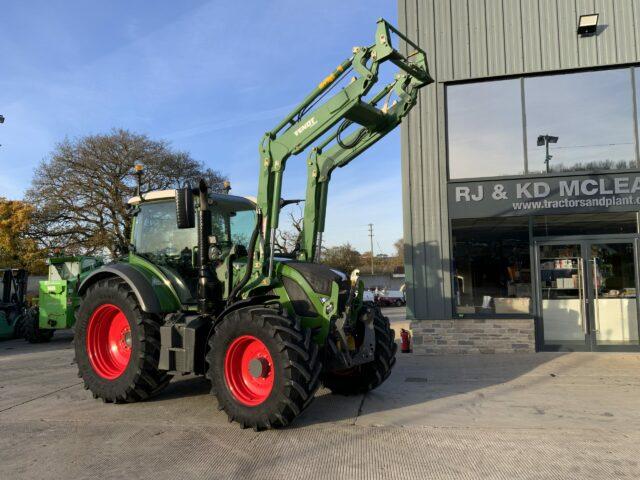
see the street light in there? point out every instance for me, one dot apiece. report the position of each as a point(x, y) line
point(1, 119)
point(546, 140)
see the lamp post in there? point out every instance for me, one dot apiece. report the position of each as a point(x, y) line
point(546, 140)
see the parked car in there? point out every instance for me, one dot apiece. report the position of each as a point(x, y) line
point(369, 297)
point(391, 297)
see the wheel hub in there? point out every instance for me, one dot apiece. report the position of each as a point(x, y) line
point(259, 368)
point(248, 370)
point(109, 341)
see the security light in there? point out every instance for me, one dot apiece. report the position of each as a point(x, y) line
point(588, 24)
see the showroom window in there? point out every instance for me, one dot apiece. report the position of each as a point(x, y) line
point(574, 122)
point(491, 266)
point(485, 125)
point(588, 116)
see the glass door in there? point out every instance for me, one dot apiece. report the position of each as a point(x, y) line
point(561, 276)
point(612, 288)
point(586, 289)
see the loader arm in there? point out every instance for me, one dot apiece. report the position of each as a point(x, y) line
point(307, 123)
point(334, 153)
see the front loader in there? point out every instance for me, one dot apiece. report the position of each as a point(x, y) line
point(203, 291)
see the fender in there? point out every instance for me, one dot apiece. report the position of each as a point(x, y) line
point(247, 302)
point(138, 283)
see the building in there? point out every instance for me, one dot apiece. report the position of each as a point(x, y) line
point(521, 179)
point(383, 281)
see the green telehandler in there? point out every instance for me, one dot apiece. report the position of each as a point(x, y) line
point(57, 297)
point(203, 291)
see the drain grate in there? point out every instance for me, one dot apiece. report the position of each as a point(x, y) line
point(416, 379)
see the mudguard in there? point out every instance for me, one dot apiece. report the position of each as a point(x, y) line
point(138, 283)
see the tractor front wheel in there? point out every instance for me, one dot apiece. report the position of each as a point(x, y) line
point(263, 367)
point(117, 344)
point(361, 379)
point(30, 328)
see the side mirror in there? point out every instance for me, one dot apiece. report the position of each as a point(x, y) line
point(185, 211)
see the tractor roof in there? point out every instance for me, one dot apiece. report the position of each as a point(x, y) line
point(166, 194)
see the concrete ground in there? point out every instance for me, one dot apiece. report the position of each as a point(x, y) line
point(510, 417)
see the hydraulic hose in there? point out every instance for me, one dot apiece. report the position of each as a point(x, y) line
point(343, 126)
point(250, 254)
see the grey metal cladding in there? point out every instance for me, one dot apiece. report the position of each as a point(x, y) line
point(488, 38)
point(475, 39)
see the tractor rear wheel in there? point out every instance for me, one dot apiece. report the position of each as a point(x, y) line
point(263, 367)
point(31, 330)
point(117, 344)
point(366, 377)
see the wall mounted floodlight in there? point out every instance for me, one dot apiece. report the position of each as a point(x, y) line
point(588, 24)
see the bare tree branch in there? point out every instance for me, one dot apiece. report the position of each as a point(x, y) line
point(80, 191)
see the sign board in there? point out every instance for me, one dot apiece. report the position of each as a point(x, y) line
point(545, 195)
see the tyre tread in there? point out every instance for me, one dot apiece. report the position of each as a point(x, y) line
point(302, 368)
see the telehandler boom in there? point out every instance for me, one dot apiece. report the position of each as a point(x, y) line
point(202, 291)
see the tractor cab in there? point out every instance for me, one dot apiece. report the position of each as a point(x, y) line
point(157, 239)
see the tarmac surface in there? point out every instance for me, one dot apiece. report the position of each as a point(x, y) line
point(520, 416)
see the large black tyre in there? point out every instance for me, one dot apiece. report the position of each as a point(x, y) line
point(293, 368)
point(366, 377)
point(18, 325)
point(139, 378)
point(31, 330)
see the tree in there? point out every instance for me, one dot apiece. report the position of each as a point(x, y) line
point(80, 191)
point(16, 248)
point(286, 241)
point(399, 246)
point(343, 258)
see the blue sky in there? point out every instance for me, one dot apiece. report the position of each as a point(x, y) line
point(208, 76)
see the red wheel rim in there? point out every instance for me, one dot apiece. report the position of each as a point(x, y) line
point(248, 370)
point(109, 341)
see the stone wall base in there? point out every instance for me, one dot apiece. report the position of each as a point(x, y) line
point(467, 336)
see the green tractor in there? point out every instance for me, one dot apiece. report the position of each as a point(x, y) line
point(58, 297)
point(13, 302)
point(203, 291)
